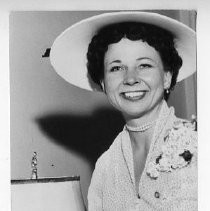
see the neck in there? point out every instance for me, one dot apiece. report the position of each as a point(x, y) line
point(146, 118)
point(142, 138)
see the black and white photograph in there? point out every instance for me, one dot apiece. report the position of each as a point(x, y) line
point(103, 110)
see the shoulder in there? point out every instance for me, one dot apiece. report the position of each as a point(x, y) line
point(184, 126)
point(177, 152)
point(185, 134)
point(103, 167)
point(183, 137)
point(109, 155)
point(182, 133)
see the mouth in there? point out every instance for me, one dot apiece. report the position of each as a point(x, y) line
point(134, 95)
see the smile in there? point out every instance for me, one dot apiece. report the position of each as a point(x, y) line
point(136, 95)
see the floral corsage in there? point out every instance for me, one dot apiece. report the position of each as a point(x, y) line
point(176, 152)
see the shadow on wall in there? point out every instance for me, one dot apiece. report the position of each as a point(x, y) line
point(89, 135)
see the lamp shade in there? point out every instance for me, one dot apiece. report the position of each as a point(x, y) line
point(54, 194)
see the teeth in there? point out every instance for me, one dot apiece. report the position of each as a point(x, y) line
point(133, 94)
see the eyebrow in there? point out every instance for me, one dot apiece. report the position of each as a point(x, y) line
point(141, 58)
point(115, 61)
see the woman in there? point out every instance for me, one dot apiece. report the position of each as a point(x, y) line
point(136, 58)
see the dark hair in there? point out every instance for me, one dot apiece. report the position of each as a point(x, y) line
point(159, 38)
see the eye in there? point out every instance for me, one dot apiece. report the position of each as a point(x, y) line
point(145, 66)
point(116, 68)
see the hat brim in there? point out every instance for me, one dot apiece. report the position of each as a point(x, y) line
point(68, 52)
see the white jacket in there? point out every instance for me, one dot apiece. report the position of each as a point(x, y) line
point(168, 182)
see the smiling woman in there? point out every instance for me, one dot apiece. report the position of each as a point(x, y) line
point(138, 83)
point(136, 58)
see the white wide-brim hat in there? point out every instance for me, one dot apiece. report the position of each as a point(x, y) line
point(68, 52)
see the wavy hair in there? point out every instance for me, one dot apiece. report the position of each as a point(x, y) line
point(159, 38)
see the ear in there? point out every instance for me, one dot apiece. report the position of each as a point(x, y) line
point(167, 80)
point(103, 86)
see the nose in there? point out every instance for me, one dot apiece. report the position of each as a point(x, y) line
point(131, 78)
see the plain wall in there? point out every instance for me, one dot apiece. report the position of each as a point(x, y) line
point(68, 127)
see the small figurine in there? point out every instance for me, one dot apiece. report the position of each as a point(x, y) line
point(34, 166)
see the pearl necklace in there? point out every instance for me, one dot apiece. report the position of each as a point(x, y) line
point(141, 128)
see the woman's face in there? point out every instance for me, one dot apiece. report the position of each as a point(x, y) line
point(134, 79)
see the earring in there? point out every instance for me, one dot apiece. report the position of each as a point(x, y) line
point(167, 91)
